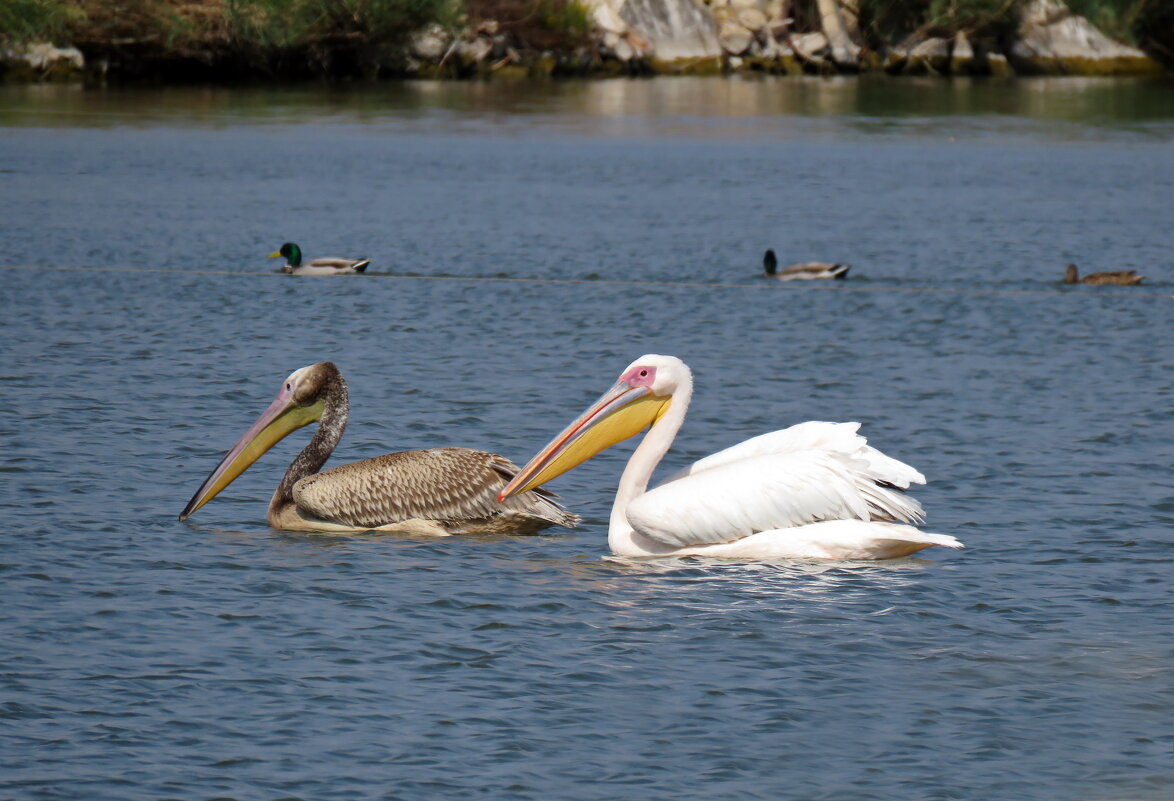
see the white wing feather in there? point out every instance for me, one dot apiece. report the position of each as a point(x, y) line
point(765, 492)
point(831, 539)
point(805, 474)
point(841, 438)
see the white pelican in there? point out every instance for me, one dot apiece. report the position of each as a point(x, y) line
point(1118, 277)
point(815, 490)
point(801, 272)
point(434, 491)
point(328, 266)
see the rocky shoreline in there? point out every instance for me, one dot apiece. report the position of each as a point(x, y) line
point(725, 36)
point(685, 37)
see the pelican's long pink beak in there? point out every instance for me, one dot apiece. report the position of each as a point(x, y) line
point(283, 416)
point(621, 412)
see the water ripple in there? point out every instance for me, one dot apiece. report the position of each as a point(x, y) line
point(148, 659)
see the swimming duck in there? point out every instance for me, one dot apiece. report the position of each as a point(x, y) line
point(802, 272)
point(294, 265)
point(1117, 277)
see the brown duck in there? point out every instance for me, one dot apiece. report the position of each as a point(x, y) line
point(1117, 277)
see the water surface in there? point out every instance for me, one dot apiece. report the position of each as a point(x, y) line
point(528, 243)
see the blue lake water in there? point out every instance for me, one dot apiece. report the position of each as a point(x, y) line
point(528, 242)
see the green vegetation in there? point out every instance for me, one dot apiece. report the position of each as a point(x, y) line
point(1149, 24)
point(536, 24)
point(1114, 17)
point(220, 37)
point(325, 36)
point(891, 21)
point(286, 38)
point(570, 19)
point(885, 23)
point(226, 39)
point(285, 24)
point(36, 20)
point(1146, 23)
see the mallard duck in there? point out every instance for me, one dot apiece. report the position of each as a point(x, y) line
point(294, 265)
point(802, 272)
point(1117, 277)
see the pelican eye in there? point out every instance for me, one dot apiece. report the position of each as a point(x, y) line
point(644, 374)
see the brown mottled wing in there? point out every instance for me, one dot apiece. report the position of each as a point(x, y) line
point(445, 484)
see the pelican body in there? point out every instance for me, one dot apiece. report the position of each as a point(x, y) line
point(804, 271)
point(1117, 277)
point(815, 490)
point(433, 491)
point(328, 266)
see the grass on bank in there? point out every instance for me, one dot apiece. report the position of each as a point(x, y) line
point(36, 20)
point(278, 37)
point(338, 37)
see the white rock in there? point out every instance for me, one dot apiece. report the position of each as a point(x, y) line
point(42, 56)
point(1049, 30)
point(962, 57)
point(674, 29)
point(809, 44)
point(734, 38)
point(752, 19)
point(475, 51)
point(607, 16)
point(429, 44)
point(998, 65)
point(932, 48)
point(962, 48)
point(1043, 12)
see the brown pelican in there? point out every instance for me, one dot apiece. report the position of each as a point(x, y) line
point(433, 491)
point(328, 266)
point(1119, 277)
point(812, 491)
point(803, 271)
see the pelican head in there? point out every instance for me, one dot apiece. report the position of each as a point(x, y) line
point(638, 399)
point(292, 253)
point(299, 402)
point(770, 262)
